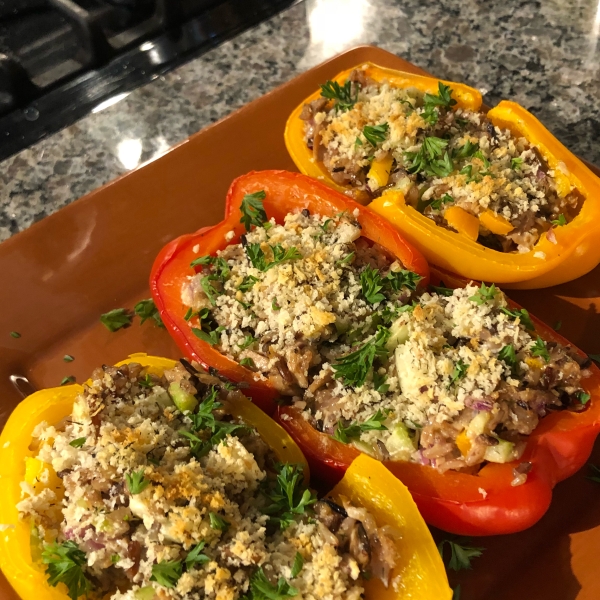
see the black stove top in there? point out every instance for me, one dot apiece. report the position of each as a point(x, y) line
point(61, 58)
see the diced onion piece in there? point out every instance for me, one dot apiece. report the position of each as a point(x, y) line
point(463, 222)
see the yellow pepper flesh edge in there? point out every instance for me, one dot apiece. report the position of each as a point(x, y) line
point(465, 223)
point(495, 223)
point(575, 252)
point(420, 570)
point(53, 405)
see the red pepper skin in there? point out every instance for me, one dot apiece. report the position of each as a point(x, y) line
point(454, 502)
point(285, 192)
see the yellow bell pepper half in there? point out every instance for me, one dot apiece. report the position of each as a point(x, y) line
point(367, 483)
point(575, 252)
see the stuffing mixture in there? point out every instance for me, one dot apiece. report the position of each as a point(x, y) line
point(375, 137)
point(150, 489)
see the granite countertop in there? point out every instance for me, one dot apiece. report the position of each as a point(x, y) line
point(544, 55)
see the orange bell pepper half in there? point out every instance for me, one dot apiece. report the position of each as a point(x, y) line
point(485, 503)
point(285, 192)
point(367, 483)
point(547, 263)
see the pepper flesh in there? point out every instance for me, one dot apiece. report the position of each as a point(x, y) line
point(285, 192)
point(388, 502)
point(547, 263)
point(485, 503)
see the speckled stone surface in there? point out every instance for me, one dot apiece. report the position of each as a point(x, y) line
point(545, 55)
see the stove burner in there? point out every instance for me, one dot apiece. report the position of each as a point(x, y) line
point(60, 58)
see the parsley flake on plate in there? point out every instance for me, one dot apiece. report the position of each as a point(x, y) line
point(461, 553)
point(116, 319)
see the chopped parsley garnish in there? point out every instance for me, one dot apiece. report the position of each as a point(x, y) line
point(354, 367)
point(358, 141)
point(540, 349)
point(248, 341)
point(396, 280)
point(478, 154)
point(438, 202)
point(275, 306)
point(209, 289)
point(515, 163)
point(456, 592)
point(509, 356)
point(15, 334)
point(259, 261)
point(432, 159)
point(196, 557)
point(68, 358)
point(202, 261)
point(136, 483)
point(441, 290)
point(466, 150)
point(248, 363)
point(484, 294)
point(346, 433)
point(461, 553)
point(115, 558)
point(443, 98)
point(344, 100)
point(146, 309)
point(583, 397)
point(263, 589)
point(67, 380)
point(65, 564)
point(167, 573)
point(379, 383)
point(376, 134)
point(247, 283)
point(207, 332)
point(298, 564)
point(346, 259)
point(595, 473)
point(560, 221)
point(116, 319)
point(252, 209)
point(460, 370)
point(217, 522)
point(289, 496)
point(557, 325)
point(188, 315)
point(372, 284)
point(468, 171)
point(78, 442)
point(522, 315)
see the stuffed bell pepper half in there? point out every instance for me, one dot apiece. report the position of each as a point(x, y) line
point(492, 196)
point(158, 480)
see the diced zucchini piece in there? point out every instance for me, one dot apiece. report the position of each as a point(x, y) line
point(183, 400)
point(398, 335)
point(501, 453)
point(478, 423)
point(400, 445)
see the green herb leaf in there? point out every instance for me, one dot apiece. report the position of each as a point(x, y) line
point(396, 280)
point(202, 261)
point(216, 522)
point(540, 349)
point(67, 380)
point(298, 564)
point(465, 151)
point(211, 337)
point(136, 483)
point(358, 141)
point(461, 553)
point(248, 341)
point(438, 202)
point(114, 558)
point(344, 100)
point(354, 367)
point(560, 222)
point(478, 154)
point(263, 589)
point(15, 334)
point(346, 260)
point(484, 294)
point(290, 496)
point(522, 315)
point(456, 593)
point(248, 363)
point(78, 442)
point(509, 356)
point(441, 290)
point(595, 473)
point(65, 563)
point(247, 283)
point(188, 315)
point(275, 306)
point(373, 423)
point(557, 325)
point(167, 573)
point(583, 397)
point(372, 284)
point(515, 163)
point(252, 209)
point(196, 557)
point(116, 319)
point(379, 383)
point(376, 134)
point(431, 159)
point(68, 358)
point(146, 309)
point(443, 97)
point(259, 261)
point(460, 370)
point(209, 289)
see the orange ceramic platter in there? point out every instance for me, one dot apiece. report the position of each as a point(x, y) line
point(62, 273)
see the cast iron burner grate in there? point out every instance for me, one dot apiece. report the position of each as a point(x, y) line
point(60, 58)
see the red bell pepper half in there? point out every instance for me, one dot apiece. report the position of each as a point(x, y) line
point(285, 193)
point(485, 503)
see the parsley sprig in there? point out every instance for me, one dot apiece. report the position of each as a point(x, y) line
point(136, 482)
point(196, 556)
point(540, 349)
point(208, 330)
point(253, 210)
point(508, 355)
point(289, 497)
point(522, 314)
point(345, 433)
point(460, 370)
point(432, 159)
point(65, 564)
point(376, 134)
point(341, 94)
point(484, 294)
point(259, 260)
point(167, 573)
point(354, 367)
point(263, 589)
point(146, 309)
point(461, 553)
point(431, 102)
